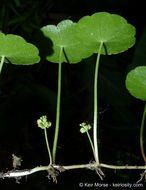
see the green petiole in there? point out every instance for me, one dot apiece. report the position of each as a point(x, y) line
point(96, 105)
point(2, 62)
point(58, 108)
point(141, 134)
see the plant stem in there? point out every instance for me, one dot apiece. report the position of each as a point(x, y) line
point(91, 143)
point(141, 134)
point(48, 147)
point(58, 108)
point(2, 62)
point(26, 172)
point(96, 105)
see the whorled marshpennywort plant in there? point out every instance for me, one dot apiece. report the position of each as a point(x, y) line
point(136, 85)
point(101, 34)
point(105, 34)
point(66, 48)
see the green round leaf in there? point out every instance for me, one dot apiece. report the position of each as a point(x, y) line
point(66, 46)
point(17, 50)
point(110, 29)
point(136, 82)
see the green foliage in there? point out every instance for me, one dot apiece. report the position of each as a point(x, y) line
point(66, 46)
point(136, 82)
point(110, 29)
point(43, 123)
point(72, 42)
point(17, 51)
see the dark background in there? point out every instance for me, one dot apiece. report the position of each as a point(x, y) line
point(28, 92)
